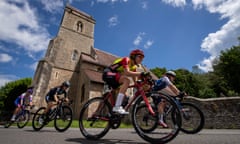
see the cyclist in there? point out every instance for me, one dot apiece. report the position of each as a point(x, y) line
point(25, 99)
point(118, 75)
point(165, 85)
point(52, 96)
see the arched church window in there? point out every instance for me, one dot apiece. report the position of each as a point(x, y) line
point(74, 55)
point(79, 26)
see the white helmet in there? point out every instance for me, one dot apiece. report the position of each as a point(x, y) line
point(171, 73)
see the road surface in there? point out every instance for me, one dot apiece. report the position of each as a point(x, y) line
point(27, 135)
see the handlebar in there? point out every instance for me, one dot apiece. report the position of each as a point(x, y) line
point(62, 100)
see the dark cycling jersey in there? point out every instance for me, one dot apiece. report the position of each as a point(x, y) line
point(54, 91)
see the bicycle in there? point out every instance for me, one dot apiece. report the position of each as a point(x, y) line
point(61, 115)
point(96, 116)
point(22, 117)
point(192, 117)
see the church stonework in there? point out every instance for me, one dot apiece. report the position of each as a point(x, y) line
point(71, 56)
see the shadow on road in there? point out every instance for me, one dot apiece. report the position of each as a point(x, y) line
point(102, 141)
point(42, 131)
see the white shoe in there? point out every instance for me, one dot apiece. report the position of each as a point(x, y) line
point(120, 110)
point(163, 124)
point(12, 119)
point(40, 121)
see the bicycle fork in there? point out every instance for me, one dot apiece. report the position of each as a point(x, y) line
point(148, 105)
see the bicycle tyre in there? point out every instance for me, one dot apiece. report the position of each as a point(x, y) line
point(36, 124)
point(8, 124)
point(23, 119)
point(65, 116)
point(150, 122)
point(192, 124)
point(159, 135)
point(98, 124)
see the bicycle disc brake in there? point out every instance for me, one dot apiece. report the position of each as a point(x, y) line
point(115, 121)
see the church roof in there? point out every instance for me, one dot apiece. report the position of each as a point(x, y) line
point(100, 58)
point(94, 75)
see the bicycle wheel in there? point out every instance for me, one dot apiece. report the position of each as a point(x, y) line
point(192, 118)
point(159, 135)
point(63, 119)
point(23, 119)
point(37, 121)
point(94, 118)
point(148, 123)
point(8, 124)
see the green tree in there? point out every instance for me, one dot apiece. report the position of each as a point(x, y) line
point(11, 91)
point(185, 81)
point(205, 85)
point(228, 69)
point(158, 71)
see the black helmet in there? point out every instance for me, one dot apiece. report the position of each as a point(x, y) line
point(66, 83)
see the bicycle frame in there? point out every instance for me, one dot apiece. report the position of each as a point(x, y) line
point(57, 108)
point(140, 92)
point(23, 109)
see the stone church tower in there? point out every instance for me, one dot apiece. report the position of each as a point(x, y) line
point(71, 56)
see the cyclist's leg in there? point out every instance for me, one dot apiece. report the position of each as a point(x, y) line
point(160, 103)
point(124, 81)
point(161, 106)
point(50, 104)
point(18, 106)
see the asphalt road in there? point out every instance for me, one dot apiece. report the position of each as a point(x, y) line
point(27, 135)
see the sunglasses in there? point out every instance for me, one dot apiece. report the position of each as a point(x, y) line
point(140, 56)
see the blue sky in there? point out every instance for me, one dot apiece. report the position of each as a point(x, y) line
point(173, 33)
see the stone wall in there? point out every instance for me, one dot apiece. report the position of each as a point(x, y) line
point(219, 112)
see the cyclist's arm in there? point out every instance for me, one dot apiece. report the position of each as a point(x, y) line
point(126, 69)
point(127, 72)
point(21, 99)
point(30, 100)
point(171, 86)
point(174, 89)
point(66, 97)
point(56, 97)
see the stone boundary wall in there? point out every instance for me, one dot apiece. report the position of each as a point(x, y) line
point(220, 113)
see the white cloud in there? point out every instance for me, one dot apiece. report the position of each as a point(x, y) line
point(206, 64)
point(175, 3)
point(226, 36)
point(53, 6)
point(5, 57)
point(138, 39)
point(112, 1)
point(113, 21)
point(34, 66)
point(20, 25)
point(144, 4)
point(6, 78)
point(148, 44)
